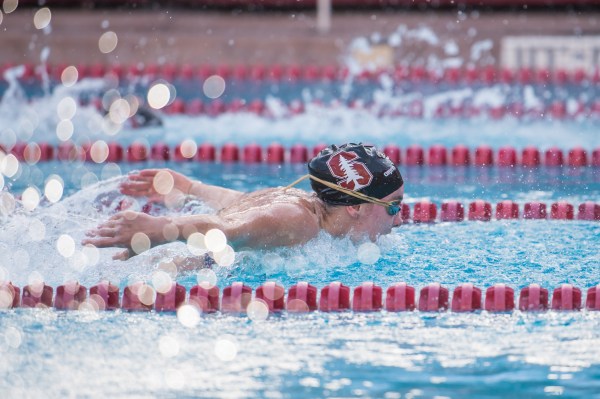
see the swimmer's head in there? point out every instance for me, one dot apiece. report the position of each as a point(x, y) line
point(356, 167)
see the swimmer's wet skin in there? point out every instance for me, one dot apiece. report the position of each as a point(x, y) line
point(357, 193)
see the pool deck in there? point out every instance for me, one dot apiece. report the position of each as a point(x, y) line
point(202, 37)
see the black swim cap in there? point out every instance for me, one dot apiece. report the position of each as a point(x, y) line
point(356, 167)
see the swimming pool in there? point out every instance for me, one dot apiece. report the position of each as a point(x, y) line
point(50, 353)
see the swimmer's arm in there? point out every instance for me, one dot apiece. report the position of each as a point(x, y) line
point(258, 229)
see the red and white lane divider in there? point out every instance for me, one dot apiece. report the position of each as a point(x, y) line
point(275, 153)
point(301, 297)
point(312, 73)
point(455, 211)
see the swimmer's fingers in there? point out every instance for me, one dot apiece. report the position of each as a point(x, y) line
point(102, 232)
point(102, 242)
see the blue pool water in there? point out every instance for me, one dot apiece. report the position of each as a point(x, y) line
point(48, 353)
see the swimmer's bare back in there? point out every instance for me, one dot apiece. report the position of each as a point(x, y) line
point(263, 219)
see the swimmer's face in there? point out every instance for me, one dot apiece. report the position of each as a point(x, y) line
point(374, 220)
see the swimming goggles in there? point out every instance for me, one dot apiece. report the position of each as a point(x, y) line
point(393, 207)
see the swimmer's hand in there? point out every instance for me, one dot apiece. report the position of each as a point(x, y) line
point(156, 184)
point(122, 229)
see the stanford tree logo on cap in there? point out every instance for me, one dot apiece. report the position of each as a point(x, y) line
point(351, 174)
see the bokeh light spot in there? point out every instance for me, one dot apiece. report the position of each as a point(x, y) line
point(88, 179)
point(10, 6)
point(99, 151)
point(66, 108)
point(7, 203)
point(54, 189)
point(196, 245)
point(226, 348)
point(140, 242)
point(170, 232)
point(163, 182)
point(214, 86)
point(226, 257)
point(108, 42)
point(32, 153)
point(257, 310)
point(30, 198)
point(188, 316)
point(69, 76)
point(161, 281)
point(42, 18)
point(215, 240)
point(64, 130)
point(9, 166)
point(368, 253)
point(65, 245)
point(91, 254)
point(206, 278)
point(119, 111)
point(188, 148)
point(159, 96)
point(146, 294)
point(168, 267)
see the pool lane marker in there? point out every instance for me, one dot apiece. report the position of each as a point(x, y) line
point(302, 297)
point(276, 153)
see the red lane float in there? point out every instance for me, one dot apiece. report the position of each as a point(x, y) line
point(507, 210)
point(105, 295)
point(230, 153)
point(138, 297)
point(160, 152)
point(137, 152)
point(588, 211)
point(252, 153)
point(335, 297)
point(507, 156)
point(534, 210)
point(205, 298)
point(533, 298)
point(37, 295)
point(480, 210)
point(484, 156)
point(414, 156)
point(206, 153)
point(566, 297)
point(272, 295)
point(461, 156)
point(298, 154)
point(452, 211)
point(69, 296)
point(466, 298)
point(562, 210)
point(530, 157)
point(170, 300)
point(499, 298)
point(438, 155)
point(275, 154)
point(553, 157)
point(433, 298)
point(10, 296)
point(367, 298)
point(424, 212)
point(400, 297)
point(236, 298)
point(593, 298)
point(393, 153)
point(115, 153)
point(578, 157)
point(302, 297)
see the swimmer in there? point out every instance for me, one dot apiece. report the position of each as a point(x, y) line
point(357, 193)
